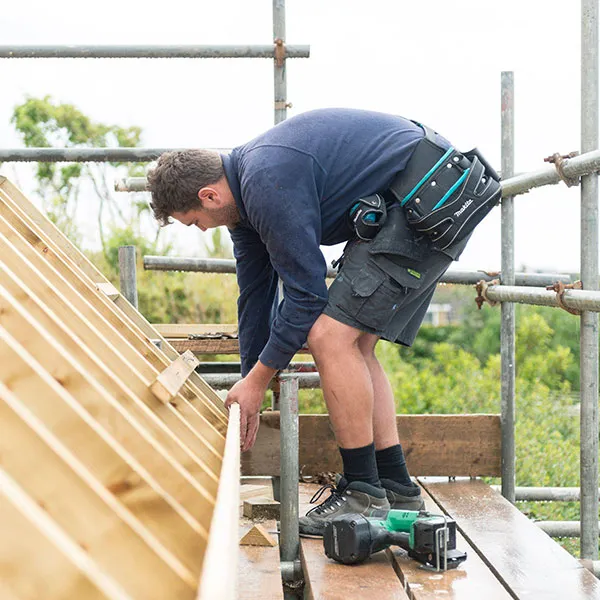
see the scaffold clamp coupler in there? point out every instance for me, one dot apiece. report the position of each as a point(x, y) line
point(560, 288)
point(482, 296)
point(559, 161)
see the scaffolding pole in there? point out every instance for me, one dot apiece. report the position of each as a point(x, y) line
point(586, 300)
point(185, 51)
point(224, 265)
point(507, 330)
point(589, 278)
point(279, 64)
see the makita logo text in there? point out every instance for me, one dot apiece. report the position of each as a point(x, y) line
point(463, 207)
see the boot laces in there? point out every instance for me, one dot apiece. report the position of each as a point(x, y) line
point(335, 497)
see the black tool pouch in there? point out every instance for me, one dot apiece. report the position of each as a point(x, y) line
point(367, 216)
point(444, 192)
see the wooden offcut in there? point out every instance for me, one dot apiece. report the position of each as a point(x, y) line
point(171, 380)
point(261, 508)
point(433, 445)
point(257, 535)
point(108, 289)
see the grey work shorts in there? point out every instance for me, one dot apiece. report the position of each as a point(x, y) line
point(385, 285)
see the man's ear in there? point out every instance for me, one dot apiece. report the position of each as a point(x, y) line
point(209, 197)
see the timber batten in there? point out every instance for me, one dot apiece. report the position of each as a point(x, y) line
point(109, 490)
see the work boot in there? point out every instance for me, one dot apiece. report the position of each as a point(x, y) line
point(356, 497)
point(403, 497)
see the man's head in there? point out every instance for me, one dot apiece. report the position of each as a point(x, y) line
point(190, 186)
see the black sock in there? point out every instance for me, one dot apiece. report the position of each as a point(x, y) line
point(360, 464)
point(391, 465)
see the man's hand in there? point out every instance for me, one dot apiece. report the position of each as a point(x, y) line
point(249, 393)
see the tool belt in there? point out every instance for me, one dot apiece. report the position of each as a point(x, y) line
point(445, 193)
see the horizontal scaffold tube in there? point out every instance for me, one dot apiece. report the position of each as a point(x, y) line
point(572, 168)
point(546, 494)
point(576, 299)
point(560, 529)
point(85, 155)
point(189, 51)
point(225, 381)
point(513, 186)
point(222, 265)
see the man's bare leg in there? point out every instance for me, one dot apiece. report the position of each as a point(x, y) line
point(385, 432)
point(391, 465)
point(345, 380)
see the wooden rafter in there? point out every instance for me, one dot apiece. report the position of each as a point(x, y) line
point(109, 491)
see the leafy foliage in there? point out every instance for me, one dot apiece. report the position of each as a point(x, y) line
point(44, 123)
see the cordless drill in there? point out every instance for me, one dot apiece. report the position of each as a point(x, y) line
point(428, 538)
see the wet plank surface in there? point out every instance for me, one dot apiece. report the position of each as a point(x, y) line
point(472, 579)
point(328, 580)
point(259, 574)
point(259, 571)
point(525, 559)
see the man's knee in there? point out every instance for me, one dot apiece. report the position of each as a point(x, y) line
point(366, 345)
point(327, 334)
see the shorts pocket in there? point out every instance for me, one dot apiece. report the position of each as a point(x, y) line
point(375, 297)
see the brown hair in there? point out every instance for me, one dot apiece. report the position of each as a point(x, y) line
point(177, 178)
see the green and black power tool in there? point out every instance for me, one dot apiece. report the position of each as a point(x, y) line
point(428, 538)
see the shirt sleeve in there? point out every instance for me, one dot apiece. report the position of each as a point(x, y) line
point(258, 285)
point(282, 202)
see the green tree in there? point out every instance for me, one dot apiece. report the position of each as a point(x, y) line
point(42, 122)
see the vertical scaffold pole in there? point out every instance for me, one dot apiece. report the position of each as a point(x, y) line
point(507, 332)
point(290, 469)
point(127, 274)
point(589, 277)
point(280, 89)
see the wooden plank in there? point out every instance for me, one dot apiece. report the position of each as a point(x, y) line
point(221, 562)
point(168, 383)
point(44, 345)
point(464, 445)
point(209, 346)
point(32, 268)
point(181, 330)
point(528, 561)
point(213, 346)
point(56, 248)
point(48, 399)
point(327, 580)
point(38, 560)
point(472, 579)
point(81, 506)
point(21, 310)
point(259, 570)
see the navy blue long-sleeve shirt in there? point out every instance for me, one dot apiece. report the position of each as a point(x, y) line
point(293, 187)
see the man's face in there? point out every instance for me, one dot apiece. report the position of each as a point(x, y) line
point(207, 218)
point(216, 208)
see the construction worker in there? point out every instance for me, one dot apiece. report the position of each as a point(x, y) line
point(405, 201)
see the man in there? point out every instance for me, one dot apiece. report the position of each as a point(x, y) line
point(404, 199)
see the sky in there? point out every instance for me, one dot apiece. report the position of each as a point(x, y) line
point(434, 61)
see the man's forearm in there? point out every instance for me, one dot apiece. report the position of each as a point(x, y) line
point(261, 375)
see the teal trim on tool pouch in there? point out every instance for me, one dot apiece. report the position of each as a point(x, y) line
point(452, 189)
point(427, 176)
